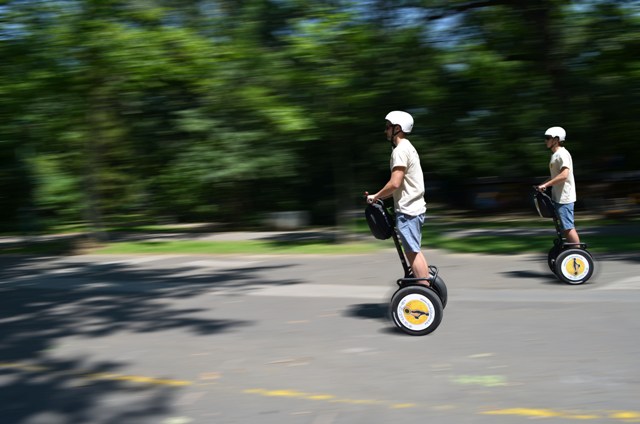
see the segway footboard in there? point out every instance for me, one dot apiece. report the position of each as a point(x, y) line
point(435, 281)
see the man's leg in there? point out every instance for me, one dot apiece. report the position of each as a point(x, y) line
point(419, 266)
point(565, 212)
point(410, 231)
point(572, 236)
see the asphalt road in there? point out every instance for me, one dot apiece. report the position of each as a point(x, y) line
point(306, 339)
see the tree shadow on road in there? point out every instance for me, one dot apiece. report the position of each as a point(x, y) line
point(43, 301)
point(71, 392)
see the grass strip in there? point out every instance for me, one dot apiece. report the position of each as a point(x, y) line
point(255, 247)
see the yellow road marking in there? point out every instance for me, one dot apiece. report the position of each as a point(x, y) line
point(137, 379)
point(623, 416)
point(620, 416)
point(541, 413)
point(316, 396)
point(140, 379)
point(626, 416)
point(289, 394)
point(403, 405)
point(22, 366)
point(321, 397)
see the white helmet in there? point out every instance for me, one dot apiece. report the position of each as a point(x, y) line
point(401, 118)
point(556, 132)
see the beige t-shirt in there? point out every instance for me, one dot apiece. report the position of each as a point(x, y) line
point(565, 192)
point(409, 197)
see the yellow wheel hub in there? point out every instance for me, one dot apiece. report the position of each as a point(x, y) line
point(416, 312)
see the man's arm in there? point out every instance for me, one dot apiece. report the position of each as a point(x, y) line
point(558, 179)
point(397, 176)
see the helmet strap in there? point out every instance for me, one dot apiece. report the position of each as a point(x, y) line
point(393, 136)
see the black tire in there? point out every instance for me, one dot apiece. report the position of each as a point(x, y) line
point(552, 256)
point(441, 289)
point(574, 266)
point(416, 310)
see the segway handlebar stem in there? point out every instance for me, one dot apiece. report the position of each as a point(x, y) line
point(408, 272)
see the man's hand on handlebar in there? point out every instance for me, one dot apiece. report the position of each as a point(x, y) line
point(371, 198)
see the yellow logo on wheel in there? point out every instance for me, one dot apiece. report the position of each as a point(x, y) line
point(575, 266)
point(416, 312)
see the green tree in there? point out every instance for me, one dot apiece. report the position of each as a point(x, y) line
point(222, 110)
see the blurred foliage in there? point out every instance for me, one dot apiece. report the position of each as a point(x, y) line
point(221, 110)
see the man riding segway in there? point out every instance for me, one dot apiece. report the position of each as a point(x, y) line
point(568, 259)
point(406, 185)
point(417, 306)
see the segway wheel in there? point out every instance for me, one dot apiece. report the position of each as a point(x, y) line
point(552, 256)
point(416, 310)
point(574, 266)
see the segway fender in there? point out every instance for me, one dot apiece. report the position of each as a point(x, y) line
point(440, 288)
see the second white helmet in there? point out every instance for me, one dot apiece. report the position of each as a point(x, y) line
point(398, 117)
point(556, 132)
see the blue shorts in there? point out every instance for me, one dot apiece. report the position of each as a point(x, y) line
point(410, 231)
point(565, 215)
